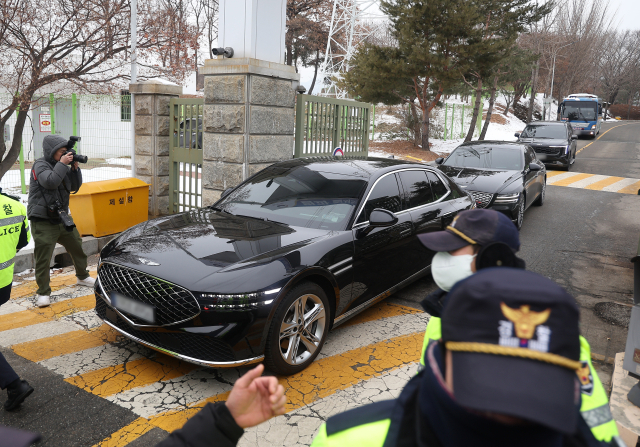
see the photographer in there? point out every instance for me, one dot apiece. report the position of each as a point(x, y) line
point(53, 178)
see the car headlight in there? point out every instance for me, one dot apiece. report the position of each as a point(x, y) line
point(506, 198)
point(593, 126)
point(236, 302)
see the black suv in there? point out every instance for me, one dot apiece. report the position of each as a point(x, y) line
point(553, 142)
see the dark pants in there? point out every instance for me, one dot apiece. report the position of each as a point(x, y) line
point(45, 236)
point(7, 374)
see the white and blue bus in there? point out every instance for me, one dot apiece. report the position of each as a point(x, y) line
point(583, 111)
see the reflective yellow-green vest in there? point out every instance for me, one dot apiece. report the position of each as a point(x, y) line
point(373, 434)
point(595, 404)
point(12, 215)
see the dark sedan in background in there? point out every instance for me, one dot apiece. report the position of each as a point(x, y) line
point(553, 142)
point(267, 271)
point(500, 175)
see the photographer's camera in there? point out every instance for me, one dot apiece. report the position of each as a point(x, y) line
point(76, 157)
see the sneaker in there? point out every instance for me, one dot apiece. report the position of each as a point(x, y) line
point(43, 300)
point(17, 394)
point(87, 282)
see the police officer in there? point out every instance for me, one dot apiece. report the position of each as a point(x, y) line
point(14, 234)
point(53, 178)
point(503, 374)
point(482, 238)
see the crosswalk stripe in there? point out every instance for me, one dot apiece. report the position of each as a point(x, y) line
point(127, 434)
point(617, 186)
point(56, 283)
point(10, 307)
point(554, 173)
point(587, 181)
point(54, 311)
point(326, 376)
point(630, 189)
point(569, 179)
point(36, 331)
point(561, 176)
point(66, 343)
point(116, 379)
point(600, 185)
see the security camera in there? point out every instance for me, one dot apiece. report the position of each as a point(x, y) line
point(226, 52)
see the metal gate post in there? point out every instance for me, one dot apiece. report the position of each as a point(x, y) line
point(300, 124)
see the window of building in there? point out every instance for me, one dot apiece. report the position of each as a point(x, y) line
point(125, 105)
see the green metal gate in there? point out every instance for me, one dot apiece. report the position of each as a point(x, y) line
point(324, 124)
point(185, 154)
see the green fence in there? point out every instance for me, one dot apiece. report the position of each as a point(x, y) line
point(185, 154)
point(324, 124)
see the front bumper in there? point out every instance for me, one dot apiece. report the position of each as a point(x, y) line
point(551, 159)
point(510, 210)
point(211, 339)
point(585, 132)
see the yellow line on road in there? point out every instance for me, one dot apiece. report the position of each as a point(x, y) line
point(601, 135)
point(572, 179)
point(379, 311)
point(324, 377)
point(56, 310)
point(116, 379)
point(56, 283)
point(631, 189)
point(75, 341)
point(598, 186)
point(127, 434)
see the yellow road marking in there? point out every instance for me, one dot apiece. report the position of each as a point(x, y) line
point(379, 311)
point(414, 158)
point(603, 183)
point(56, 283)
point(75, 341)
point(324, 377)
point(631, 189)
point(116, 379)
point(601, 135)
point(56, 310)
point(127, 434)
point(572, 179)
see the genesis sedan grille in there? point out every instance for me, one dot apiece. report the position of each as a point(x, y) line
point(173, 303)
point(482, 199)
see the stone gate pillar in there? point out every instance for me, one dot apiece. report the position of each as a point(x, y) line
point(248, 120)
point(152, 139)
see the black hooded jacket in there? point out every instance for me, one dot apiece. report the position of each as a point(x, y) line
point(51, 180)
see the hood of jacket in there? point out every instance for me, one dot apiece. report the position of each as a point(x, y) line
point(50, 145)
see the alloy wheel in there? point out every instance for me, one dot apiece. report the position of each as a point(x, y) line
point(302, 329)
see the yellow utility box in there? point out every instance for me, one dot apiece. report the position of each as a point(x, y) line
point(109, 206)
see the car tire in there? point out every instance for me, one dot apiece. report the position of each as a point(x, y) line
point(298, 330)
point(540, 200)
point(520, 218)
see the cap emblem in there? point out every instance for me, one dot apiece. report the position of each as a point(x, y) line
point(524, 322)
point(586, 379)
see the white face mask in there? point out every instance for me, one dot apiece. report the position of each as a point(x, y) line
point(448, 270)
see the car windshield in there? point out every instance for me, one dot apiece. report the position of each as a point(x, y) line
point(297, 196)
point(579, 110)
point(542, 131)
point(486, 156)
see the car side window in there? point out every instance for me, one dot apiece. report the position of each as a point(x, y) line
point(417, 188)
point(385, 195)
point(437, 186)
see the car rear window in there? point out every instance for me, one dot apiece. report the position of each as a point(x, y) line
point(297, 196)
point(487, 157)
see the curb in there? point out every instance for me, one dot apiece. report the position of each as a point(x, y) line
point(91, 245)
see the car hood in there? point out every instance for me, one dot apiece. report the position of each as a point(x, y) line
point(543, 142)
point(188, 248)
point(485, 180)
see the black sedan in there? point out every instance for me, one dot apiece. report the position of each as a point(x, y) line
point(504, 176)
point(267, 271)
point(553, 142)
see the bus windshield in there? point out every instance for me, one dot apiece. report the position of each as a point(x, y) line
point(579, 110)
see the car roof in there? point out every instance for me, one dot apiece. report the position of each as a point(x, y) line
point(363, 167)
point(512, 144)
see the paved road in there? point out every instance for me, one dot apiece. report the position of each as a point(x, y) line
point(94, 388)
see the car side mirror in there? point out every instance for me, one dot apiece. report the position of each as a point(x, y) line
point(439, 160)
point(517, 134)
point(574, 137)
point(379, 218)
point(534, 166)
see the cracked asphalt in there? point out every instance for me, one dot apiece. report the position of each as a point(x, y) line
point(96, 388)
